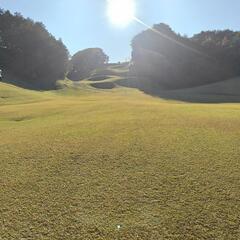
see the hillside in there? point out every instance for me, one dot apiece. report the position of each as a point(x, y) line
point(229, 87)
point(85, 162)
point(220, 92)
point(10, 94)
point(117, 76)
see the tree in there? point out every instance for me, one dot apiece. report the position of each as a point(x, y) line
point(223, 45)
point(85, 61)
point(30, 52)
point(164, 59)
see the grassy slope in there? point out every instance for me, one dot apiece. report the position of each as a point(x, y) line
point(77, 162)
point(10, 94)
point(228, 87)
point(225, 91)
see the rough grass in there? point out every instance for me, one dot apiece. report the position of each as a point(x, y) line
point(78, 162)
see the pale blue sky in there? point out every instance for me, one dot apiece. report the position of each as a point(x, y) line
point(83, 23)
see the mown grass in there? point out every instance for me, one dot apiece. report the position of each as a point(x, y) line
point(75, 164)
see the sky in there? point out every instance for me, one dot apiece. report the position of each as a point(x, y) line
point(84, 23)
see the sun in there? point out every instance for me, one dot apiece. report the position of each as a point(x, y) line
point(121, 12)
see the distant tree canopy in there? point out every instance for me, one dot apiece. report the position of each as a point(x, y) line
point(164, 59)
point(30, 52)
point(85, 61)
point(223, 45)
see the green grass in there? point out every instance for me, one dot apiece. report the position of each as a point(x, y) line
point(77, 162)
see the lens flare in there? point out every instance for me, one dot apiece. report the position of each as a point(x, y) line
point(121, 12)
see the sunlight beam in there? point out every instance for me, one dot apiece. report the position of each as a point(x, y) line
point(170, 39)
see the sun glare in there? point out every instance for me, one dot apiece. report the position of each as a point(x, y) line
point(121, 12)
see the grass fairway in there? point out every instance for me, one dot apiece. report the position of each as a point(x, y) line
point(74, 164)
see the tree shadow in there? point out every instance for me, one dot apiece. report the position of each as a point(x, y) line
point(207, 95)
point(13, 80)
point(195, 97)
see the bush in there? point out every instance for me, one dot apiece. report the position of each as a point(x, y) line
point(84, 62)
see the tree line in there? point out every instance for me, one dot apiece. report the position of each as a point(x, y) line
point(161, 58)
point(37, 59)
point(30, 52)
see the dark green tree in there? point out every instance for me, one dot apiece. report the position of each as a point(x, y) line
point(223, 45)
point(30, 52)
point(85, 61)
point(163, 59)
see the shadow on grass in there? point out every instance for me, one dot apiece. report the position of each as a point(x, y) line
point(195, 97)
point(104, 85)
point(10, 78)
point(202, 94)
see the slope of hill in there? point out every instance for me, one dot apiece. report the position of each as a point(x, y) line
point(89, 163)
point(229, 87)
point(220, 92)
point(10, 94)
point(118, 76)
